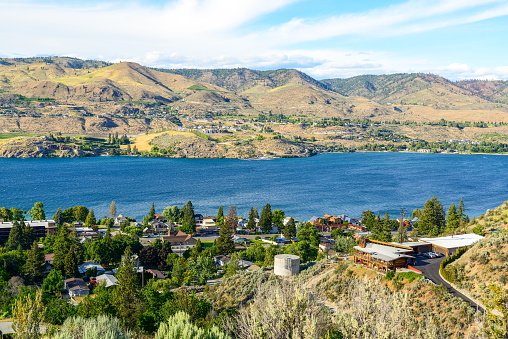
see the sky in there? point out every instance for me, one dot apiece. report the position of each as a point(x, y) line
point(457, 39)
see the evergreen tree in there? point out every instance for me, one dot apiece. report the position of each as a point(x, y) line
point(432, 217)
point(28, 235)
point(135, 149)
point(32, 269)
point(290, 229)
point(219, 220)
point(71, 263)
point(17, 214)
point(151, 213)
point(37, 211)
point(128, 150)
point(369, 219)
point(452, 219)
point(224, 243)
point(188, 219)
point(15, 236)
point(461, 211)
point(253, 215)
point(265, 221)
point(126, 294)
point(58, 218)
point(231, 219)
point(112, 209)
point(382, 229)
point(309, 233)
point(278, 218)
point(90, 219)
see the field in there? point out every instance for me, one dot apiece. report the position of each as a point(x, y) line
point(142, 142)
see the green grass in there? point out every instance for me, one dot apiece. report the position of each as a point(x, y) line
point(15, 135)
point(207, 243)
point(23, 98)
point(201, 88)
point(410, 276)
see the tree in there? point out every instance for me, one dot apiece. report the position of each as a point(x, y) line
point(278, 218)
point(57, 217)
point(452, 219)
point(5, 214)
point(179, 326)
point(265, 220)
point(202, 268)
point(34, 264)
point(71, 262)
point(54, 282)
point(17, 214)
point(104, 326)
point(126, 294)
point(188, 219)
point(112, 209)
point(37, 211)
point(151, 213)
point(15, 236)
point(309, 233)
point(27, 315)
point(149, 256)
point(461, 211)
point(224, 243)
point(90, 219)
point(368, 219)
point(172, 213)
point(432, 217)
point(253, 215)
point(57, 310)
point(303, 249)
point(382, 229)
point(219, 220)
point(80, 213)
point(290, 229)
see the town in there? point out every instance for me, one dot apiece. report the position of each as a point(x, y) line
point(78, 261)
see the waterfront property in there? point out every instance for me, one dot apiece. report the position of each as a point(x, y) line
point(381, 255)
point(41, 228)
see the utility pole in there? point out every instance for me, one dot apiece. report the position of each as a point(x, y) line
point(402, 229)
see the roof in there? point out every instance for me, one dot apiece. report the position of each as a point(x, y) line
point(454, 241)
point(49, 257)
point(385, 253)
point(157, 274)
point(75, 284)
point(110, 279)
point(90, 265)
point(180, 237)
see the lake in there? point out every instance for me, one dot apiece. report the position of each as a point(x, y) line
point(343, 183)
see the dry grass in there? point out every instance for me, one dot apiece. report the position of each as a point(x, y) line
point(142, 142)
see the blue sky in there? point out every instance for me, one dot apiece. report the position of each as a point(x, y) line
point(458, 39)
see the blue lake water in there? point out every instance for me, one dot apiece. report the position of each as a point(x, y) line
point(346, 183)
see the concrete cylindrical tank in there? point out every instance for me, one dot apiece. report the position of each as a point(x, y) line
point(286, 264)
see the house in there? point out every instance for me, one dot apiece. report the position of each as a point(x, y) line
point(156, 274)
point(325, 246)
point(222, 260)
point(208, 223)
point(449, 245)
point(90, 266)
point(108, 279)
point(76, 287)
point(41, 228)
point(381, 255)
point(180, 241)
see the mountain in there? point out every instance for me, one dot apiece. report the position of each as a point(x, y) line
point(492, 90)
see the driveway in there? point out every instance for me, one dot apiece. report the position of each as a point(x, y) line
point(430, 269)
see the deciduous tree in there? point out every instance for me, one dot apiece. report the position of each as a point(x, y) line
point(37, 211)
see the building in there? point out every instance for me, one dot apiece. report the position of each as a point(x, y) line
point(449, 245)
point(156, 274)
point(90, 266)
point(180, 241)
point(108, 279)
point(381, 255)
point(286, 265)
point(41, 228)
point(76, 287)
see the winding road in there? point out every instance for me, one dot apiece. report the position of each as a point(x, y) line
point(430, 269)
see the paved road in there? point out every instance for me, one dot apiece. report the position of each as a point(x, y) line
point(430, 269)
point(6, 327)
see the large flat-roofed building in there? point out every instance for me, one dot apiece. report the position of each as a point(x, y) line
point(381, 255)
point(449, 245)
point(40, 227)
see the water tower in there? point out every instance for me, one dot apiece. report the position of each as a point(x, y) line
point(286, 265)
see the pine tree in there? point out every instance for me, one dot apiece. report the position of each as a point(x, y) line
point(253, 215)
point(70, 263)
point(37, 211)
point(126, 294)
point(112, 209)
point(432, 218)
point(57, 217)
point(15, 236)
point(188, 220)
point(27, 235)
point(224, 243)
point(32, 269)
point(290, 229)
point(265, 221)
point(128, 150)
point(231, 219)
point(151, 213)
point(461, 211)
point(452, 219)
point(219, 220)
point(90, 219)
